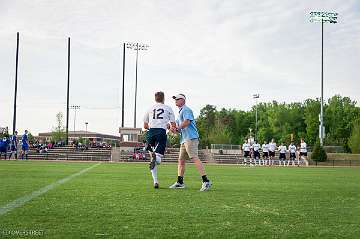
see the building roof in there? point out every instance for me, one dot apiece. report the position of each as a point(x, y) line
point(84, 134)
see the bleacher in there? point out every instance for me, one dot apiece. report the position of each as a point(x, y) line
point(171, 155)
point(71, 153)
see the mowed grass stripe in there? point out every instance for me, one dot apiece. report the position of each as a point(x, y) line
point(18, 178)
point(22, 200)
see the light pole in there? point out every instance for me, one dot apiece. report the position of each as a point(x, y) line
point(256, 96)
point(16, 77)
point(123, 89)
point(323, 17)
point(68, 95)
point(75, 107)
point(137, 47)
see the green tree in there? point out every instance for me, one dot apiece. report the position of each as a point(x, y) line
point(58, 132)
point(173, 140)
point(339, 116)
point(31, 138)
point(354, 141)
point(205, 122)
point(219, 134)
point(318, 153)
point(311, 115)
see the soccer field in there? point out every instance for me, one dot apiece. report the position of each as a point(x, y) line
point(117, 200)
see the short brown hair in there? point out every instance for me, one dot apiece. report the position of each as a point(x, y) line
point(159, 97)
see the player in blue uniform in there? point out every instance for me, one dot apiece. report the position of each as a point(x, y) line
point(14, 144)
point(4, 144)
point(24, 146)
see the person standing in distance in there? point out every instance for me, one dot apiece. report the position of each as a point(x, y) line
point(303, 152)
point(272, 149)
point(292, 150)
point(157, 120)
point(189, 141)
point(14, 144)
point(246, 151)
point(265, 150)
point(24, 146)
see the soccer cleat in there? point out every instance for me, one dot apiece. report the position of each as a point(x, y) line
point(177, 185)
point(156, 185)
point(152, 161)
point(205, 186)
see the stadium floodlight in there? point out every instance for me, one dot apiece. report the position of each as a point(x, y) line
point(137, 47)
point(325, 17)
point(322, 17)
point(75, 107)
point(256, 96)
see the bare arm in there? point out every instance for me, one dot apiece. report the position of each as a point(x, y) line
point(184, 124)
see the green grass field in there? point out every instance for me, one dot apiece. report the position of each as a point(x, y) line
point(118, 201)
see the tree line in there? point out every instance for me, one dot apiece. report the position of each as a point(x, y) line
point(283, 122)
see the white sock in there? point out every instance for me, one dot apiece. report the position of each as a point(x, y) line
point(158, 158)
point(154, 174)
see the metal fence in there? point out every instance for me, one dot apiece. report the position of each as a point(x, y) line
point(336, 163)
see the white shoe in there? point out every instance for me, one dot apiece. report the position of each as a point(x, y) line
point(205, 186)
point(177, 186)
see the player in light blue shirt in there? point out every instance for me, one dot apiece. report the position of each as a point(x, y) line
point(189, 141)
point(190, 132)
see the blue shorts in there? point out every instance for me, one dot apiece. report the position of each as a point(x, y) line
point(157, 138)
point(25, 147)
point(3, 150)
point(13, 148)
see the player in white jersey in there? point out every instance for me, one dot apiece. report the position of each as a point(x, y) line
point(292, 150)
point(158, 119)
point(272, 149)
point(303, 148)
point(265, 150)
point(246, 151)
point(282, 154)
point(303, 151)
point(256, 154)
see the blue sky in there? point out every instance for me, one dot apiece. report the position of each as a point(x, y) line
point(215, 52)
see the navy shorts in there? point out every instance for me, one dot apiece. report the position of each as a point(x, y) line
point(157, 138)
point(246, 154)
point(303, 153)
point(13, 148)
point(282, 156)
point(265, 154)
point(292, 155)
point(3, 150)
point(25, 147)
point(272, 153)
point(256, 154)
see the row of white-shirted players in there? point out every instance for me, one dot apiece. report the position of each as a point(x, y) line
point(251, 153)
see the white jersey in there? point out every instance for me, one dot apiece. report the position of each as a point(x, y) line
point(265, 148)
point(159, 116)
point(292, 148)
point(256, 147)
point(246, 147)
point(303, 148)
point(272, 147)
point(282, 149)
